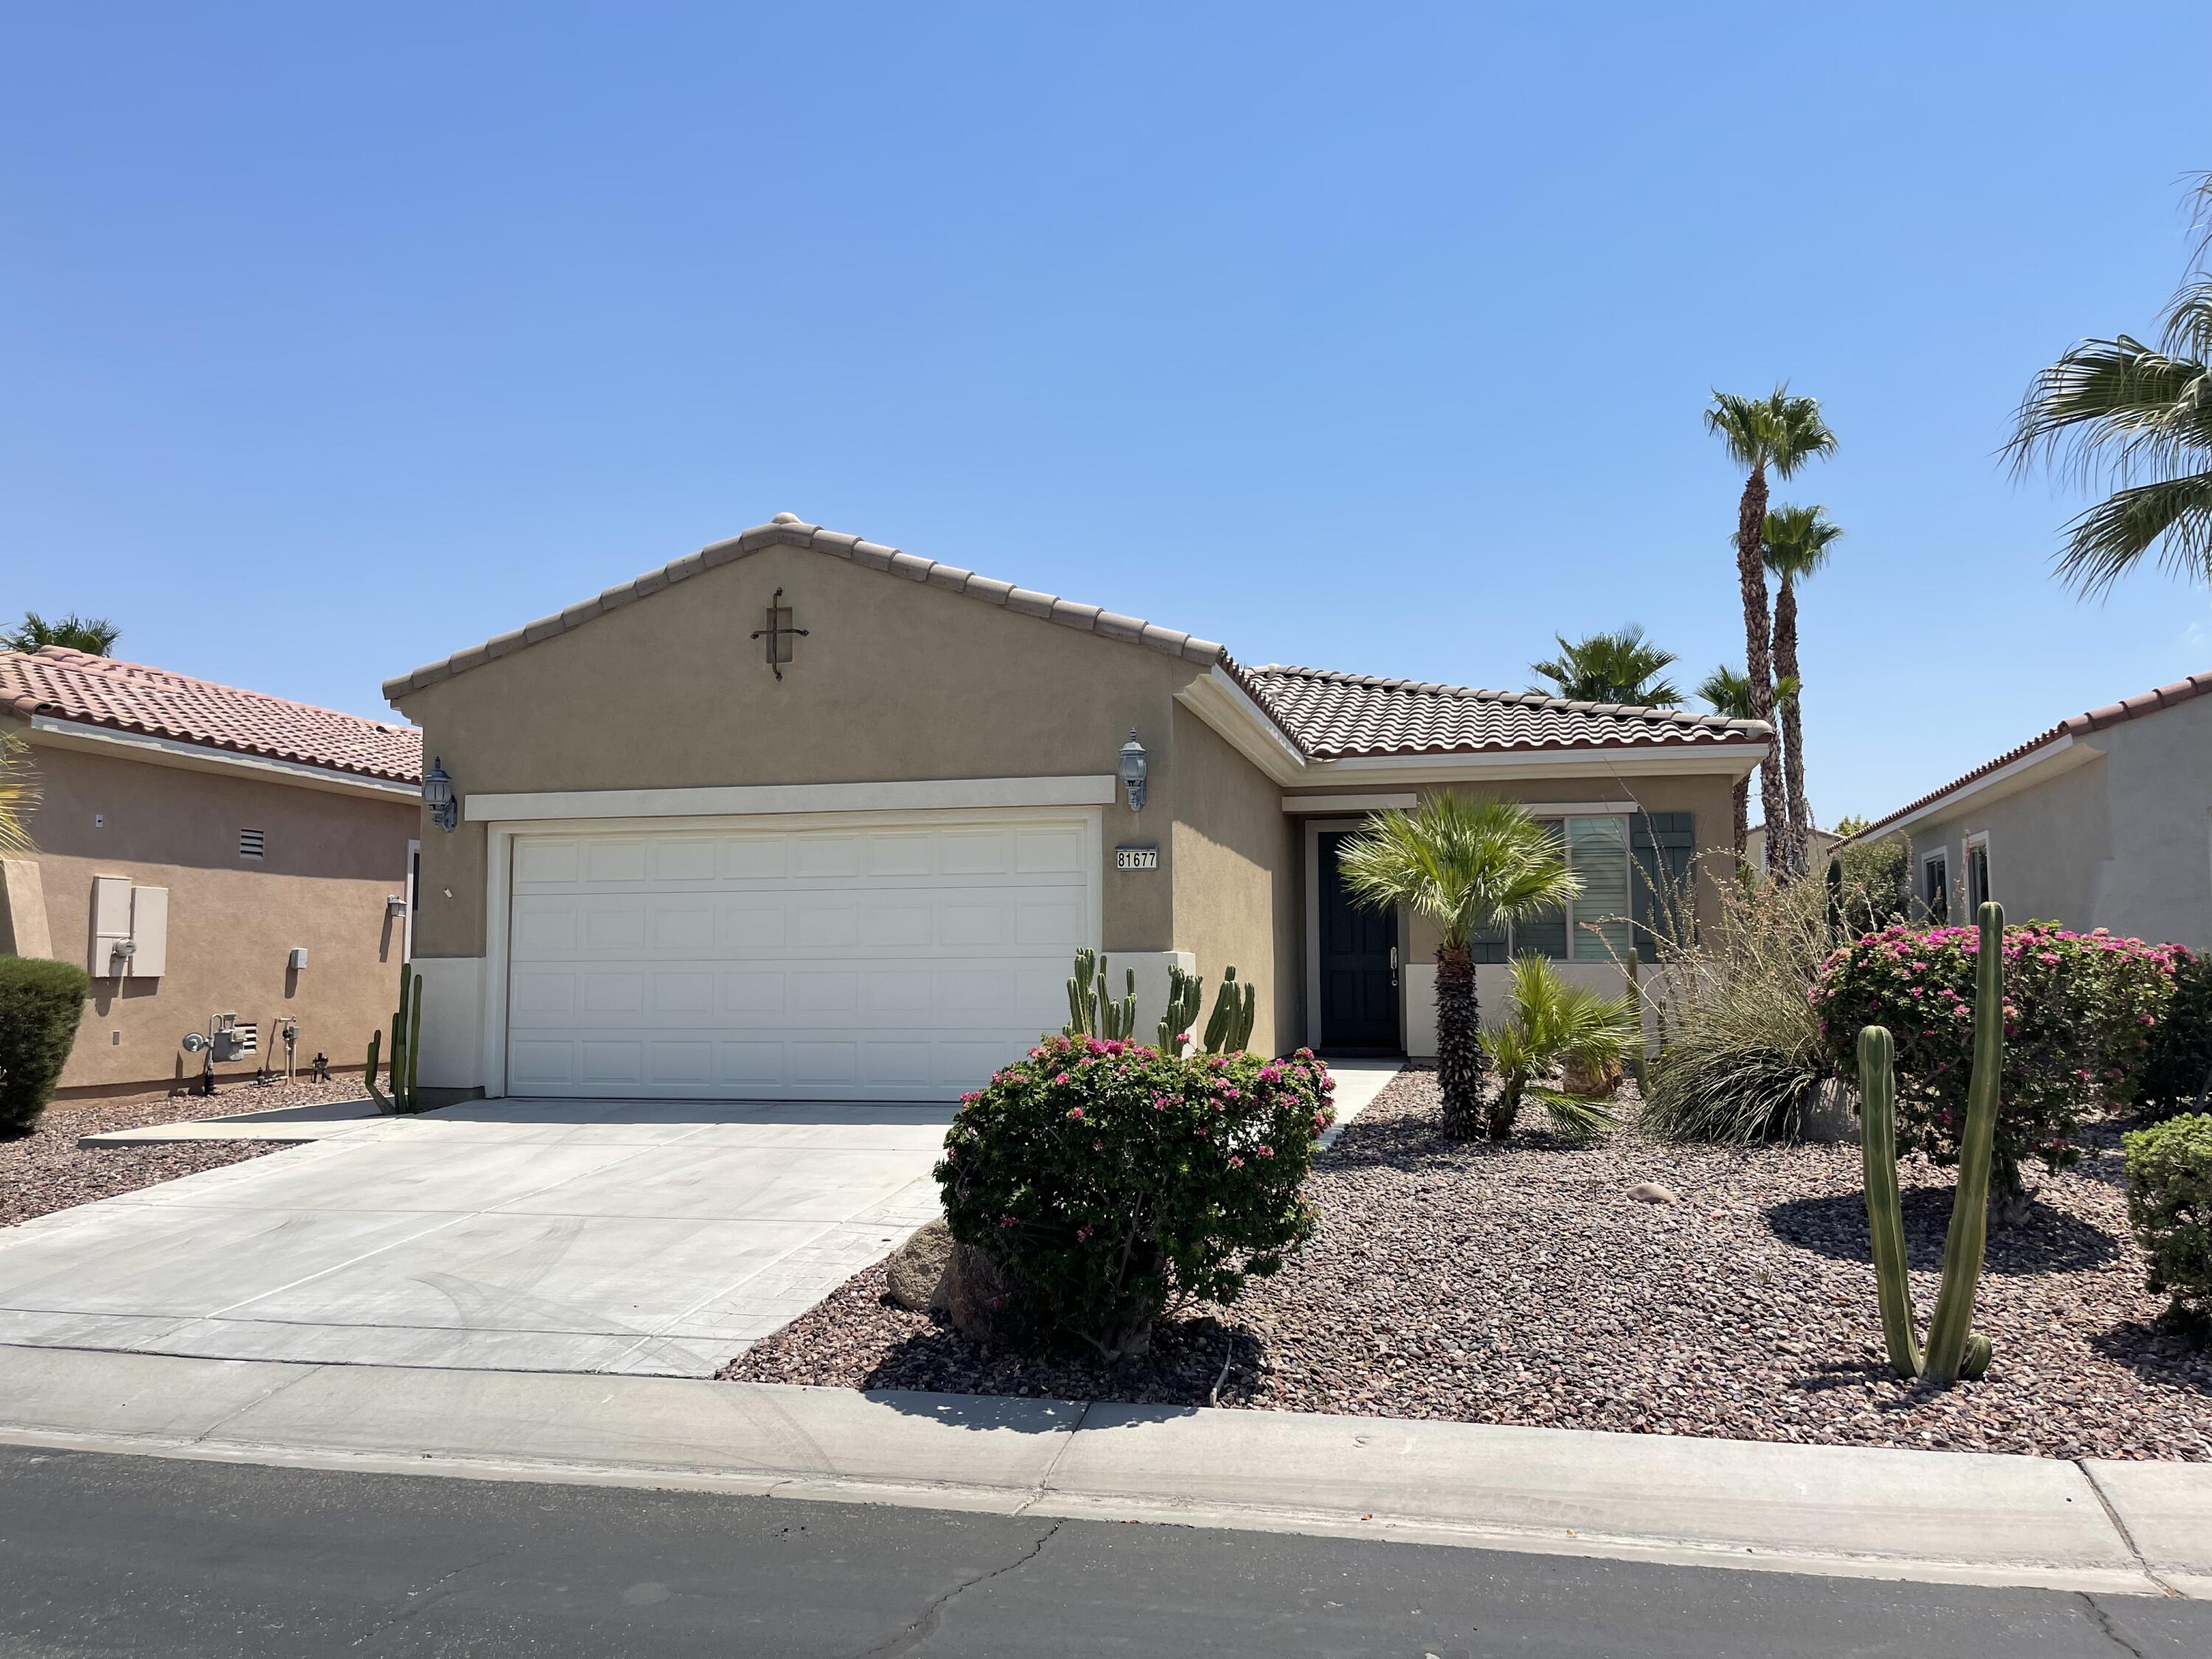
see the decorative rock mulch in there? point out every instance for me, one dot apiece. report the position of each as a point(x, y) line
point(47, 1171)
point(1521, 1283)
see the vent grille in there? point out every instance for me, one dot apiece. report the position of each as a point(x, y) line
point(251, 843)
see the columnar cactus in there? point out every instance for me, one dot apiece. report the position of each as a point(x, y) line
point(1954, 1348)
point(1185, 993)
point(1234, 1007)
point(1092, 1009)
point(406, 1039)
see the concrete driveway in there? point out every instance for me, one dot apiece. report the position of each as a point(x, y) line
point(647, 1238)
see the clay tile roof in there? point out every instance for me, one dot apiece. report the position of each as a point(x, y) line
point(2096, 719)
point(129, 696)
point(1333, 715)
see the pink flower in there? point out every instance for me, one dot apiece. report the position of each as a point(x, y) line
point(1236, 1162)
point(1082, 1234)
point(1062, 1077)
point(1075, 1115)
point(1267, 1151)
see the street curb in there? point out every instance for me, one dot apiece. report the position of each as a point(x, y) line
point(1944, 1517)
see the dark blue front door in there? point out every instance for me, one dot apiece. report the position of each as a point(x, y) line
point(1358, 964)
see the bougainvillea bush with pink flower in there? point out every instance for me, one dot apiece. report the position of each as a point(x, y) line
point(2079, 1011)
point(1112, 1183)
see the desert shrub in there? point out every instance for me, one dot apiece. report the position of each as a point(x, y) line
point(2079, 1010)
point(1875, 874)
point(2170, 1207)
point(1549, 1023)
point(1110, 1182)
point(40, 1003)
point(2178, 1061)
point(1740, 1056)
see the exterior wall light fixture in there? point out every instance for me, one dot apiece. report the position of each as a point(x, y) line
point(438, 796)
point(1131, 770)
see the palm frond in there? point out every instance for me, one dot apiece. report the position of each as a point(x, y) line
point(1729, 691)
point(1798, 540)
point(1622, 666)
point(1780, 430)
point(2173, 515)
point(2114, 409)
point(1461, 864)
point(19, 793)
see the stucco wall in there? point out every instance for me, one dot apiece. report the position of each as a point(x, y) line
point(1236, 878)
point(1706, 797)
point(330, 863)
point(2122, 841)
point(895, 681)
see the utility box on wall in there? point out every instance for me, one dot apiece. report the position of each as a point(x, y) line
point(129, 929)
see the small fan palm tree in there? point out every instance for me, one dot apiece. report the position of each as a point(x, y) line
point(1778, 434)
point(1551, 1023)
point(2140, 418)
point(1798, 540)
point(1619, 667)
point(1465, 866)
point(94, 635)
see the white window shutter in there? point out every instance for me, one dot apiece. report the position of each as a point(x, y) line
point(150, 932)
point(111, 924)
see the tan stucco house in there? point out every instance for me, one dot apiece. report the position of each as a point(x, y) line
point(803, 816)
point(192, 840)
point(2103, 820)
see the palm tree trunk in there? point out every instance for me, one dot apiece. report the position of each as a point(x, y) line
point(1459, 1052)
point(1759, 662)
point(1742, 800)
point(1793, 729)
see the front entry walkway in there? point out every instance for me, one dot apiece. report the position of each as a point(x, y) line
point(647, 1238)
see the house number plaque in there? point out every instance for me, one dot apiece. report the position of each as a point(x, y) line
point(1136, 858)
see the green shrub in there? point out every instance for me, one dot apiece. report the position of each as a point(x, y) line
point(1110, 1182)
point(2170, 1207)
point(2079, 1011)
point(1740, 1056)
point(40, 1003)
point(2179, 1062)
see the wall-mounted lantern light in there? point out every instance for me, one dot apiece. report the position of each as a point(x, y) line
point(438, 796)
point(1132, 769)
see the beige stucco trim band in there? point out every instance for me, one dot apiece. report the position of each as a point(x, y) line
point(1731, 760)
point(199, 757)
point(936, 794)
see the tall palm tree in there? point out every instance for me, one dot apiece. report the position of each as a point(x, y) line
point(1797, 542)
point(94, 635)
point(1464, 865)
point(1618, 667)
point(2140, 419)
point(1779, 432)
point(1729, 690)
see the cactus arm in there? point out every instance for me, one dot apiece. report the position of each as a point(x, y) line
point(413, 1042)
point(1185, 993)
point(1951, 1351)
point(383, 1101)
point(1884, 1214)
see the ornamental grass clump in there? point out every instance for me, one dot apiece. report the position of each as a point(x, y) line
point(1740, 1056)
point(2079, 1011)
point(1111, 1183)
point(2170, 1207)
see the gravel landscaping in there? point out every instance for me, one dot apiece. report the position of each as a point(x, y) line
point(47, 1170)
point(1520, 1283)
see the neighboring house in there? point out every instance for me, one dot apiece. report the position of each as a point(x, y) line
point(2103, 821)
point(803, 816)
point(192, 837)
point(1818, 843)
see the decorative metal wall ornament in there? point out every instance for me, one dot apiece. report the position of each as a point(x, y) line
point(778, 633)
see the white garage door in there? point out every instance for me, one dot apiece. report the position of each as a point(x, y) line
point(894, 958)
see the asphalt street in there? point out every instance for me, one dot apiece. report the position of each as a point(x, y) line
point(107, 1555)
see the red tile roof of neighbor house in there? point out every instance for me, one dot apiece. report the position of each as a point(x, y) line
point(129, 696)
point(1325, 714)
point(2128, 709)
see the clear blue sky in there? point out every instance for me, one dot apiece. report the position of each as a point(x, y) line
point(334, 338)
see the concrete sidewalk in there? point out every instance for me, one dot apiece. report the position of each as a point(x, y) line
point(1939, 1517)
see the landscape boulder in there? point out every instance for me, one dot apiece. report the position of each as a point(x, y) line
point(917, 1268)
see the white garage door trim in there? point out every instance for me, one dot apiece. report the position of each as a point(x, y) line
point(501, 855)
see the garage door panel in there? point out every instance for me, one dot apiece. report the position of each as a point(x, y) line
point(911, 960)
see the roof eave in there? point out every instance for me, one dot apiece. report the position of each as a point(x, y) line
point(60, 731)
point(2062, 752)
